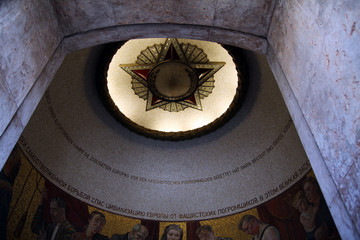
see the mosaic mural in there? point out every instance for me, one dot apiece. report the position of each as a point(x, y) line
point(31, 205)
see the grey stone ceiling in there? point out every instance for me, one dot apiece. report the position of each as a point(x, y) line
point(249, 16)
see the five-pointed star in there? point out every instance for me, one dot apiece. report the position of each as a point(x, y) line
point(171, 51)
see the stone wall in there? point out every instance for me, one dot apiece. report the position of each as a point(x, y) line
point(317, 46)
point(250, 16)
point(28, 38)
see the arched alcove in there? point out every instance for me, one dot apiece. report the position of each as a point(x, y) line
point(338, 186)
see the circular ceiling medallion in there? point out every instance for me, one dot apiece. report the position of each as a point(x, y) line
point(171, 89)
point(172, 80)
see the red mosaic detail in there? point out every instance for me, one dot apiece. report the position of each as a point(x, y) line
point(143, 73)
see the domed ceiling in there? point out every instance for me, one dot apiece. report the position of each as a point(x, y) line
point(75, 142)
point(173, 81)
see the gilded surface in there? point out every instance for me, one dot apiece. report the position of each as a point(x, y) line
point(25, 186)
point(26, 197)
point(164, 224)
point(23, 207)
point(115, 223)
point(228, 226)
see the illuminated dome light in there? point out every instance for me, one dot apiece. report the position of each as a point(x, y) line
point(190, 87)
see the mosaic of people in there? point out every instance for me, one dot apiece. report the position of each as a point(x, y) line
point(34, 208)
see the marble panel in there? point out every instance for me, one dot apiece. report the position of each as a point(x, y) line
point(28, 38)
point(337, 97)
point(55, 60)
point(317, 162)
point(100, 36)
point(283, 36)
point(338, 210)
point(317, 47)
point(122, 33)
point(7, 104)
point(29, 104)
point(350, 191)
point(235, 38)
point(18, 121)
point(8, 51)
point(79, 16)
point(247, 16)
point(9, 138)
point(346, 228)
point(322, 68)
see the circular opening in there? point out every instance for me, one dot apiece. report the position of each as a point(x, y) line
point(171, 89)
